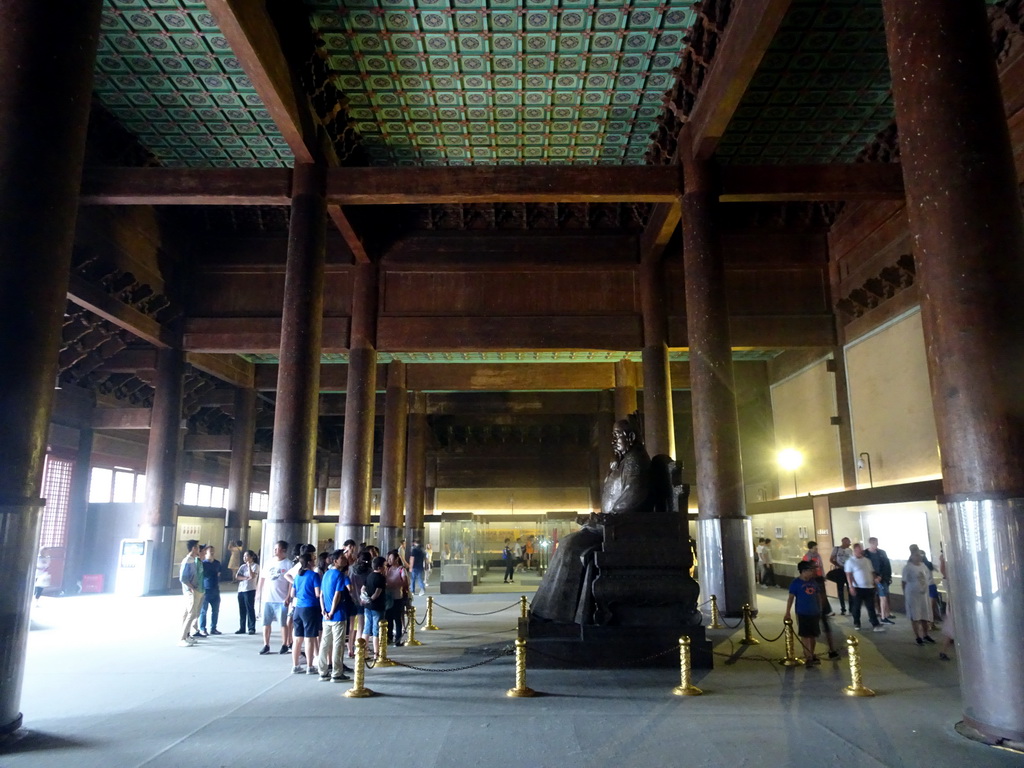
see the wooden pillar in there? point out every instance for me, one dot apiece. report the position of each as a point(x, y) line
point(162, 462)
point(603, 451)
point(725, 537)
point(296, 412)
point(78, 512)
point(236, 525)
point(837, 366)
point(416, 467)
point(659, 433)
point(965, 217)
point(625, 388)
point(360, 405)
point(322, 479)
point(392, 491)
point(45, 92)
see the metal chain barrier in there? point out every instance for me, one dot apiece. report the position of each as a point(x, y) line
point(768, 639)
point(504, 652)
point(486, 613)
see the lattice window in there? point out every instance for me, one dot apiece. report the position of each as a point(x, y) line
point(57, 492)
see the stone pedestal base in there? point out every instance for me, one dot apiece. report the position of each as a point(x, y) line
point(573, 646)
point(163, 573)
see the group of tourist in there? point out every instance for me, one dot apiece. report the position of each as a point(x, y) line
point(866, 574)
point(322, 602)
point(517, 557)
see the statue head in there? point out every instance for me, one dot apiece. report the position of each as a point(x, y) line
point(624, 437)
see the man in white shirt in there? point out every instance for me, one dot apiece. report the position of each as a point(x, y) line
point(272, 593)
point(766, 564)
point(860, 575)
point(840, 554)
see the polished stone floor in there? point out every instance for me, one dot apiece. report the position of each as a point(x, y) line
point(105, 685)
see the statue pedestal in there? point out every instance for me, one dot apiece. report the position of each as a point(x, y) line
point(638, 600)
point(574, 646)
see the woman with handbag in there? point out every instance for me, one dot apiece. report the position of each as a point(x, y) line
point(398, 595)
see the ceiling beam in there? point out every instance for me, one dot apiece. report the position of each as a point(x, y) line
point(659, 230)
point(230, 369)
point(384, 186)
point(186, 186)
point(250, 32)
point(811, 183)
point(121, 418)
point(207, 443)
point(748, 34)
point(120, 314)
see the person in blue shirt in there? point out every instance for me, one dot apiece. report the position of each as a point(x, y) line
point(306, 618)
point(334, 599)
point(211, 597)
point(809, 595)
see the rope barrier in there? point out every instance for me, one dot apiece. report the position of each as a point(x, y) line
point(504, 652)
point(486, 613)
point(766, 639)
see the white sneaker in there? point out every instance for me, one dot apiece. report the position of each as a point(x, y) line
point(186, 643)
point(878, 629)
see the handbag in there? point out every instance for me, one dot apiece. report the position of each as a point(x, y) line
point(837, 575)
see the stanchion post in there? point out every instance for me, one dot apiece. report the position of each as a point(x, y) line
point(748, 628)
point(430, 613)
point(685, 687)
point(791, 659)
point(358, 690)
point(521, 691)
point(522, 606)
point(856, 686)
point(716, 617)
point(382, 654)
point(412, 626)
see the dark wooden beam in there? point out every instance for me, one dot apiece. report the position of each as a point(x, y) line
point(348, 234)
point(230, 369)
point(780, 183)
point(130, 361)
point(186, 186)
point(659, 230)
point(253, 335)
point(503, 184)
point(208, 443)
point(384, 186)
point(518, 404)
point(750, 30)
point(120, 314)
point(121, 418)
point(254, 41)
point(446, 251)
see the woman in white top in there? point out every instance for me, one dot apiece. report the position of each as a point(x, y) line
point(916, 577)
point(247, 575)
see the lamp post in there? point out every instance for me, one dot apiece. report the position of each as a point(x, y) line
point(790, 459)
point(864, 459)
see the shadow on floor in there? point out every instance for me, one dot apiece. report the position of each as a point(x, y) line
point(27, 741)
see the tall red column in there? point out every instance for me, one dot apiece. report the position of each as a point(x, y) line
point(45, 91)
point(724, 533)
point(965, 217)
point(392, 492)
point(236, 526)
point(659, 431)
point(416, 468)
point(162, 463)
point(360, 409)
point(296, 411)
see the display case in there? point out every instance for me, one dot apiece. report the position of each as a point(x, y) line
point(458, 554)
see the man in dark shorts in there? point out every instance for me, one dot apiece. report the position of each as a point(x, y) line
point(807, 593)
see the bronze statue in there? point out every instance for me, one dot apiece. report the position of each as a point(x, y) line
point(564, 595)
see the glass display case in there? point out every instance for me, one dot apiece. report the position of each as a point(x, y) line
point(459, 539)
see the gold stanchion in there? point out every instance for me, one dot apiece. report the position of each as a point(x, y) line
point(748, 628)
point(856, 687)
point(716, 617)
point(791, 659)
point(522, 607)
point(430, 613)
point(685, 687)
point(358, 690)
point(521, 690)
point(412, 626)
point(382, 653)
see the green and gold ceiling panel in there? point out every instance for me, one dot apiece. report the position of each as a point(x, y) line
point(822, 92)
point(454, 82)
point(168, 75)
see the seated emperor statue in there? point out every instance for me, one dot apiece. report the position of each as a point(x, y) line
point(563, 595)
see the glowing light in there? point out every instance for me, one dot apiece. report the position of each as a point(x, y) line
point(790, 459)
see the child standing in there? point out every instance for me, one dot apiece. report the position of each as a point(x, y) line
point(808, 595)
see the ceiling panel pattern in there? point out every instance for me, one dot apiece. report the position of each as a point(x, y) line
point(457, 82)
point(822, 92)
point(166, 72)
